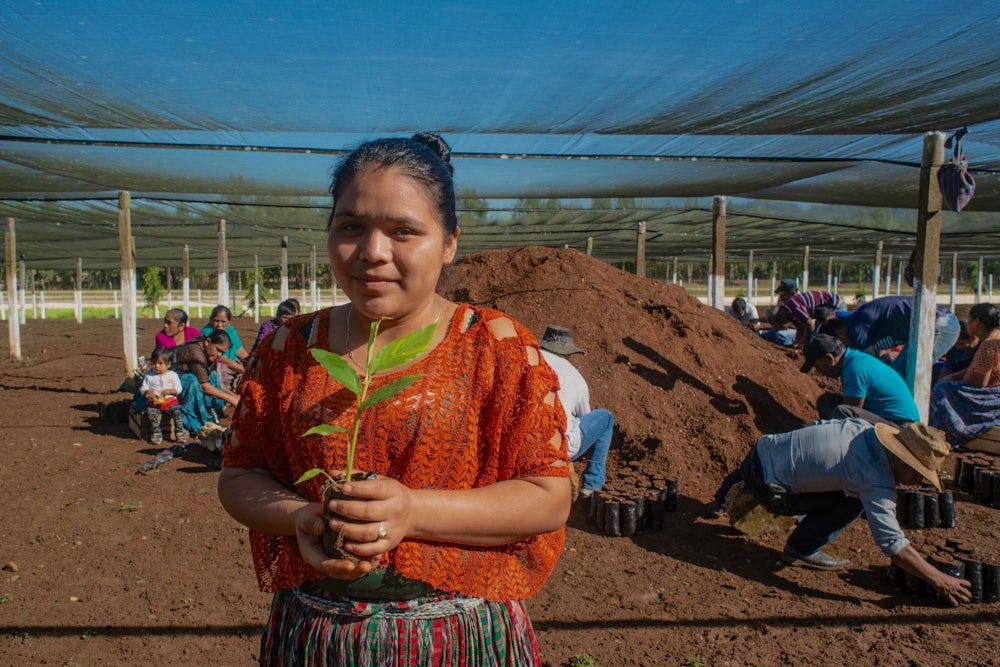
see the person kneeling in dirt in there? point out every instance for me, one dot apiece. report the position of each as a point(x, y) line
point(588, 432)
point(871, 389)
point(830, 472)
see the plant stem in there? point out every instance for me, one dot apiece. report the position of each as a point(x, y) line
point(361, 401)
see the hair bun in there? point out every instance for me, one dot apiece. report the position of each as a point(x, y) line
point(438, 145)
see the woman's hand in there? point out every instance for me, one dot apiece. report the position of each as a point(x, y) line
point(383, 513)
point(309, 529)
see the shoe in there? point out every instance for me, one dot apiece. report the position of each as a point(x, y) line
point(817, 561)
point(586, 493)
point(181, 436)
point(156, 438)
point(714, 510)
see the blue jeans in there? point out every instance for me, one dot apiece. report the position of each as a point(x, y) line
point(783, 337)
point(596, 429)
point(946, 331)
point(825, 513)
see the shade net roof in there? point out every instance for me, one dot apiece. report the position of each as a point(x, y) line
point(239, 110)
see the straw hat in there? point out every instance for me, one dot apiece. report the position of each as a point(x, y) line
point(559, 340)
point(919, 446)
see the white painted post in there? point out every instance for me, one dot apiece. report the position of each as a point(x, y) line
point(590, 246)
point(223, 265)
point(78, 293)
point(22, 299)
point(834, 285)
point(829, 275)
point(899, 278)
point(43, 304)
point(3, 307)
point(199, 304)
point(979, 281)
point(673, 278)
point(888, 277)
point(186, 281)
point(256, 291)
point(114, 295)
point(805, 270)
point(717, 272)
point(991, 288)
point(126, 249)
point(954, 280)
point(877, 271)
point(919, 359)
point(284, 268)
point(314, 294)
point(774, 281)
point(13, 322)
point(170, 289)
point(750, 278)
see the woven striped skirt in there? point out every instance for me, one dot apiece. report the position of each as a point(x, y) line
point(310, 628)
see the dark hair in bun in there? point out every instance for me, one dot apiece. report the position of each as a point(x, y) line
point(986, 313)
point(425, 157)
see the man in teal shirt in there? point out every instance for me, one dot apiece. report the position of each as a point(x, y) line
point(871, 389)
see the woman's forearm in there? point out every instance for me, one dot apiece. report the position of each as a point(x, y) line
point(257, 500)
point(215, 392)
point(501, 513)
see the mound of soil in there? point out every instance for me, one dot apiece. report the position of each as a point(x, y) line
point(691, 390)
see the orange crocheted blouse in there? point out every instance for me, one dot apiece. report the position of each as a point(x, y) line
point(477, 416)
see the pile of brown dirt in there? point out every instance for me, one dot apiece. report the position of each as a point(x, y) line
point(691, 390)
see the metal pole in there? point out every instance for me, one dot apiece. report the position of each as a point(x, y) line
point(13, 322)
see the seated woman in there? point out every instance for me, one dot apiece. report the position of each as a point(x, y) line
point(203, 396)
point(959, 357)
point(966, 403)
point(175, 329)
point(231, 362)
point(285, 311)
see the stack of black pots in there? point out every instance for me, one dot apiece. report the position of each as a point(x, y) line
point(632, 503)
point(958, 560)
point(979, 475)
point(925, 509)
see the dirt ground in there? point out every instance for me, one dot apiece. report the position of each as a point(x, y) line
point(104, 566)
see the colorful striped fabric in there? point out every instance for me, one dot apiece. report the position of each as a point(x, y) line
point(313, 629)
point(800, 306)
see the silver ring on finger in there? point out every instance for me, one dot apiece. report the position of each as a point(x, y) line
point(382, 534)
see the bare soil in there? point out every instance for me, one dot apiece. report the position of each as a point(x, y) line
point(104, 566)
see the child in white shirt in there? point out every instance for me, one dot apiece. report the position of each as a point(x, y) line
point(161, 387)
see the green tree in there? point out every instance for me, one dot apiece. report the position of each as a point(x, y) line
point(152, 288)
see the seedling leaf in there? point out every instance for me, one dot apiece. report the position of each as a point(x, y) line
point(390, 390)
point(338, 369)
point(403, 350)
point(325, 429)
point(309, 474)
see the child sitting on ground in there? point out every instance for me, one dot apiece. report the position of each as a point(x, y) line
point(161, 387)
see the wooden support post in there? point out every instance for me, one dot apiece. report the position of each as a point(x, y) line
point(78, 293)
point(640, 249)
point(774, 281)
point(750, 278)
point(333, 286)
point(921, 341)
point(200, 302)
point(899, 278)
point(673, 277)
point(223, 265)
point(590, 246)
point(22, 292)
point(302, 283)
point(126, 249)
point(954, 281)
point(805, 270)
point(186, 280)
point(717, 272)
point(284, 268)
point(114, 297)
point(256, 291)
point(312, 278)
point(888, 277)
point(13, 321)
point(170, 289)
point(979, 281)
point(877, 271)
point(990, 300)
point(829, 275)
point(43, 304)
point(689, 269)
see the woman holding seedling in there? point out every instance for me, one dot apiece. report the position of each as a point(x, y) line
point(465, 517)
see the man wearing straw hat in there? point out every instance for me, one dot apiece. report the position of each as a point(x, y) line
point(830, 472)
point(588, 432)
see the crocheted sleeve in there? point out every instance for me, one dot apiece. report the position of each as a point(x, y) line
point(987, 361)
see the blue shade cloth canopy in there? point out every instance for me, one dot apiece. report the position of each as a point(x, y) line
point(231, 109)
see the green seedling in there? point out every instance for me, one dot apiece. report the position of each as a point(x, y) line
point(130, 507)
point(697, 661)
point(88, 634)
point(7, 597)
point(400, 351)
point(582, 660)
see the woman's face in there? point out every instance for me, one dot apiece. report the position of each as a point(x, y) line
point(219, 321)
point(171, 327)
point(387, 245)
point(213, 351)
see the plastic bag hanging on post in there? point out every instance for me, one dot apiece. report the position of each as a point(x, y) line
point(956, 183)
